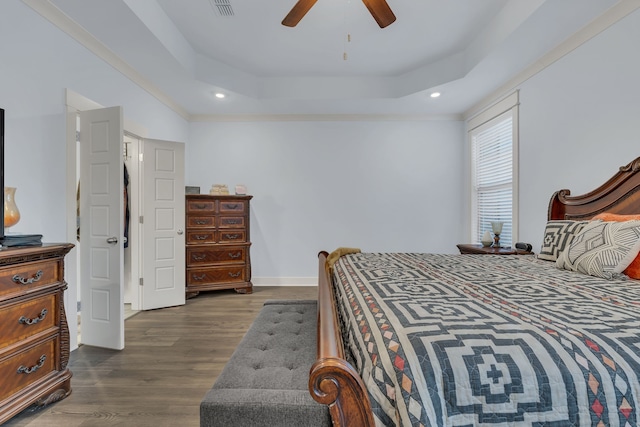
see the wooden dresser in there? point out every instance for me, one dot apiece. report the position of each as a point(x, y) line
point(217, 243)
point(34, 338)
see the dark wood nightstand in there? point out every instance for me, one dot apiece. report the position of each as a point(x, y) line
point(467, 248)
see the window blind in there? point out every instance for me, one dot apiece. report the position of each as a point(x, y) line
point(492, 157)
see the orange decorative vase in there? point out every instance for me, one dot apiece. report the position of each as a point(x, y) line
point(11, 212)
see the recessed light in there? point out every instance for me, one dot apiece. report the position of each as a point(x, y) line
point(220, 95)
point(435, 94)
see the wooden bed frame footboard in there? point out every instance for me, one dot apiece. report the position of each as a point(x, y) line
point(332, 380)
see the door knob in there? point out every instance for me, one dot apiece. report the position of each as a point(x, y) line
point(180, 232)
point(112, 240)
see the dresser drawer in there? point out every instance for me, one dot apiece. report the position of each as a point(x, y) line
point(201, 221)
point(20, 321)
point(222, 274)
point(231, 236)
point(28, 276)
point(217, 254)
point(24, 368)
point(201, 205)
point(202, 236)
point(231, 222)
point(235, 206)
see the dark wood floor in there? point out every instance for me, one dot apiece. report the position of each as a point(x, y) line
point(171, 358)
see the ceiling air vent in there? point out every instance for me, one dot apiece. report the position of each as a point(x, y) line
point(222, 7)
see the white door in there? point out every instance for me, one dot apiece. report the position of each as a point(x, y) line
point(101, 228)
point(163, 204)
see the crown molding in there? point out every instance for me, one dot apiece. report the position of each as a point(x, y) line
point(54, 15)
point(58, 18)
point(324, 117)
point(50, 12)
point(595, 27)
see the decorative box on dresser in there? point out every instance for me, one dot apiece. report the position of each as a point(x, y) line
point(217, 243)
point(34, 338)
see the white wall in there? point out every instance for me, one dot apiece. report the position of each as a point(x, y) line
point(381, 186)
point(579, 122)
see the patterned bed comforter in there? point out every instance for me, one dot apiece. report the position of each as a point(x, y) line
point(476, 340)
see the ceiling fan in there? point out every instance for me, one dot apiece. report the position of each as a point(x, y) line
point(379, 9)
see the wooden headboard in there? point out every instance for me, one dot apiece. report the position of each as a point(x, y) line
point(620, 194)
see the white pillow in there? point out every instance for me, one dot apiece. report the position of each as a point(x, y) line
point(602, 249)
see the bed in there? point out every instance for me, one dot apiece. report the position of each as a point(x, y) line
point(464, 340)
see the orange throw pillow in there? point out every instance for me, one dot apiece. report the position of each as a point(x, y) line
point(633, 270)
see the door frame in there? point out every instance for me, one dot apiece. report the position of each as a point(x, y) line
point(74, 103)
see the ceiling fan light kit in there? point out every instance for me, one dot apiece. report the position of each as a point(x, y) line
point(379, 9)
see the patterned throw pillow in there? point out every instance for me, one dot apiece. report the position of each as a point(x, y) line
point(633, 270)
point(558, 235)
point(602, 249)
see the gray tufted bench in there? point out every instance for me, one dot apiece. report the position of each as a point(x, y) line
point(265, 382)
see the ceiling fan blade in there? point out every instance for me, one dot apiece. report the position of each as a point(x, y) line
point(297, 12)
point(380, 11)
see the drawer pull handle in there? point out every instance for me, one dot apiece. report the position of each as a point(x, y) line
point(199, 277)
point(233, 207)
point(231, 236)
point(23, 281)
point(235, 274)
point(26, 321)
point(31, 370)
point(201, 221)
point(235, 255)
point(233, 221)
point(200, 206)
point(200, 236)
point(197, 257)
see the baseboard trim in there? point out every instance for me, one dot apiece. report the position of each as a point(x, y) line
point(284, 281)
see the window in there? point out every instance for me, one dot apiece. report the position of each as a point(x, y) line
point(493, 154)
